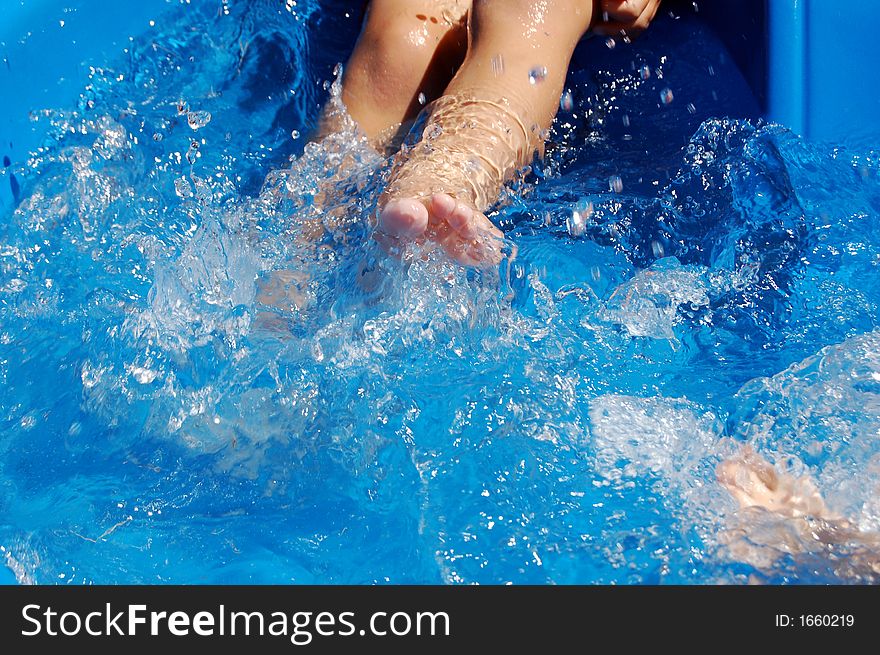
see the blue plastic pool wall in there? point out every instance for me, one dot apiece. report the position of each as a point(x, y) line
point(812, 64)
point(46, 49)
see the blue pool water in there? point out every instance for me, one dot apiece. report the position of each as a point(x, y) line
point(194, 392)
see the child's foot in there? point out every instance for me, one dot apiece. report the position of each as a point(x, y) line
point(440, 186)
point(465, 234)
point(753, 482)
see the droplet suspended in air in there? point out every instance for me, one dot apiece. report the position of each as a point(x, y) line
point(538, 74)
point(566, 102)
point(666, 96)
point(193, 153)
point(198, 119)
point(576, 224)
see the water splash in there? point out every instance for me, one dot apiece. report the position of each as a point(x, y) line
point(245, 387)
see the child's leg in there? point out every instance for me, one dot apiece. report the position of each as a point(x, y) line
point(490, 122)
point(406, 48)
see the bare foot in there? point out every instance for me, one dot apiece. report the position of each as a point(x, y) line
point(465, 234)
point(783, 515)
point(753, 482)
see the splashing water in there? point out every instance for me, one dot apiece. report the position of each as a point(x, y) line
point(212, 374)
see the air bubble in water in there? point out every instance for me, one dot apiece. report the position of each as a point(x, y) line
point(645, 72)
point(294, 134)
point(537, 75)
point(691, 109)
point(610, 43)
point(198, 119)
point(157, 137)
point(625, 120)
point(666, 96)
point(498, 65)
point(566, 102)
point(657, 249)
point(422, 99)
point(615, 183)
point(182, 107)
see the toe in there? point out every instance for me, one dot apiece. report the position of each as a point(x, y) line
point(404, 217)
point(461, 219)
point(442, 205)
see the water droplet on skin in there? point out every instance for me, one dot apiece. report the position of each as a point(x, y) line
point(610, 43)
point(198, 119)
point(422, 99)
point(498, 65)
point(615, 183)
point(666, 96)
point(294, 134)
point(432, 132)
point(657, 249)
point(645, 72)
point(537, 75)
point(566, 102)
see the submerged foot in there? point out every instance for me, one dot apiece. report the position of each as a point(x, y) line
point(464, 233)
point(754, 482)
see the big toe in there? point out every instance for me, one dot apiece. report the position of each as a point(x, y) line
point(403, 217)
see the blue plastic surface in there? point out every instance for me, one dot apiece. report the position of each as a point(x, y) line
point(46, 48)
point(821, 72)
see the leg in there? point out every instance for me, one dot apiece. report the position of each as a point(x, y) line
point(406, 48)
point(491, 121)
